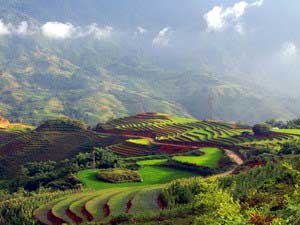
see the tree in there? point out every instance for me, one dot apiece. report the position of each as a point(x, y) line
point(261, 129)
point(217, 207)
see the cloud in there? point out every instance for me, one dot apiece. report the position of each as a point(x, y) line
point(4, 29)
point(100, 33)
point(289, 51)
point(7, 29)
point(22, 28)
point(57, 30)
point(141, 30)
point(218, 18)
point(239, 28)
point(163, 38)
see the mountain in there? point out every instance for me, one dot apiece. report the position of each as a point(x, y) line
point(109, 68)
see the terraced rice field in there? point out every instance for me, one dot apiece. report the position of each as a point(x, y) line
point(151, 175)
point(151, 162)
point(100, 206)
point(288, 131)
point(210, 158)
point(187, 132)
point(47, 145)
point(139, 141)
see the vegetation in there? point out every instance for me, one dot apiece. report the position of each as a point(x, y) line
point(119, 175)
point(135, 189)
point(290, 124)
point(64, 124)
point(60, 175)
point(261, 129)
point(151, 162)
point(210, 158)
point(139, 141)
point(150, 175)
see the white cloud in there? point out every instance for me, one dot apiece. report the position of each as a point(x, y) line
point(239, 28)
point(100, 33)
point(22, 28)
point(4, 29)
point(141, 30)
point(289, 51)
point(219, 18)
point(163, 38)
point(8, 29)
point(57, 30)
point(258, 3)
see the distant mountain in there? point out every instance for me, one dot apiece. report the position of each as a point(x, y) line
point(119, 71)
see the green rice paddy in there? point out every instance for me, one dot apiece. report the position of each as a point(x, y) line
point(151, 162)
point(139, 141)
point(151, 175)
point(210, 159)
point(288, 131)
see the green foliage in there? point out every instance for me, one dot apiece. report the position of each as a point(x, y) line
point(59, 175)
point(106, 158)
point(292, 147)
point(139, 141)
point(258, 178)
point(18, 208)
point(210, 158)
point(150, 174)
point(152, 162)
point(119, 175)
point(290, 124)
point(183, 191)
point(62, 124)
point(217, 207)
point(261, 129)
point(292, 211)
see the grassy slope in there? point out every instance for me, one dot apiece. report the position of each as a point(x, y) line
point(210, 159)
point(139, 141)
point(151, 162)
point(151, 175)
point(288, 131)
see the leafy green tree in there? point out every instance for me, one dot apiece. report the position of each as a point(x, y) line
point(261, 129)
point(217, 207)
point(105, 158)
point(292, 212)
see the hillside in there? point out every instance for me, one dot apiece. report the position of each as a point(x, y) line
point(57, 141)
point(144, 134)
point(136, 176)
point(98, 79)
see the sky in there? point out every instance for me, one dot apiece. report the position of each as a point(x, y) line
point(258, 37)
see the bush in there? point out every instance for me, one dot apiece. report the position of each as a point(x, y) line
point(261, 129)
point(119, 175)
point(183, 191)
point(63, 124)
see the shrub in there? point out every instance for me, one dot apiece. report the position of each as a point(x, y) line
point(183, 191)
point(119, 175)
point(261, 129)
point(64, 124)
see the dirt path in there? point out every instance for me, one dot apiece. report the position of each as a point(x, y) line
point(234, 157)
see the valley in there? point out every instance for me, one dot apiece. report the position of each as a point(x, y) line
point(139, 112)
point(161, 148)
